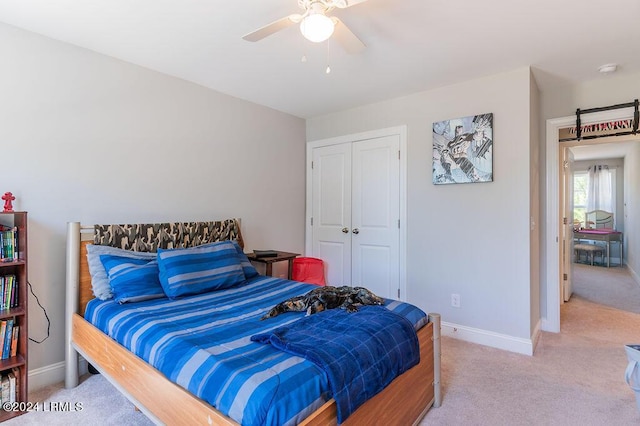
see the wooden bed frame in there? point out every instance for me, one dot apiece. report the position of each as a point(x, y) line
point(405, 401)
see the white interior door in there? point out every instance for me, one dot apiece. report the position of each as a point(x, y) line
point(331, 199)
point(356, 212)
point(567, 252)
point(375, 204)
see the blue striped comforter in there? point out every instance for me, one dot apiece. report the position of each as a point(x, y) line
point(203, 343)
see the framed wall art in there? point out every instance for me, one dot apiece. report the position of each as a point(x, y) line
point(463, 150)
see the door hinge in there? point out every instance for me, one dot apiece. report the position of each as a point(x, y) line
point(398, 155)
point(398, 293)
point(398, 223)
point(312, 164)
point(566, 164)
point(565, 277)
point(311, 221)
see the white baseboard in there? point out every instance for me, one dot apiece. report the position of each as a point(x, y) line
point(547, 326)
point(535, 336)
point(52, 374)
point(489, 338)
point(633, 274)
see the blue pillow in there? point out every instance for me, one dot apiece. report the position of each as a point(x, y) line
point(99, 279)
point(132, 280)
point(248, 269)
point(199, 269)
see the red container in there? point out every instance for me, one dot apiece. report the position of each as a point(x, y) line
point(308, 270)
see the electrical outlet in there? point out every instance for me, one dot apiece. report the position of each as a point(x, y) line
point(455, 300)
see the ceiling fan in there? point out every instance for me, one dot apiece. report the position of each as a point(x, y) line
point(315, 25)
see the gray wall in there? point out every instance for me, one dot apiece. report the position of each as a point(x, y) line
point(632, 207)
point(88, 138)
point(470, 239)
point(534, 204)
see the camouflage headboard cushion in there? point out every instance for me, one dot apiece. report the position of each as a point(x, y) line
point(149, 237)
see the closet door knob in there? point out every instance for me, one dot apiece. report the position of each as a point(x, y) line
point(356, 231)
point(345, 230)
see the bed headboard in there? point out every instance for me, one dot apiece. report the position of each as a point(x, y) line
point(152, 236)
point(147, 237)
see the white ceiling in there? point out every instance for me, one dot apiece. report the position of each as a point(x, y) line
point(412, 45)
point(602, 151)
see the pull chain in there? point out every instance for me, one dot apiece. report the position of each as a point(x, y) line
point(304, 53)
point(328, 70)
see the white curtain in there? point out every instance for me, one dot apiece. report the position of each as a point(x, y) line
point(601, 194)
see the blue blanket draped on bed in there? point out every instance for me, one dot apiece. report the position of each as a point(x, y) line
point(360, 352)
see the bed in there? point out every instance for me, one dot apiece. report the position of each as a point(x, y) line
point(404, 401)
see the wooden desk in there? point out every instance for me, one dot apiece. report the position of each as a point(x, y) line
point(269, 261)
point(606, 235)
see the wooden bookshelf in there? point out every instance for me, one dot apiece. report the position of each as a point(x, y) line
point(18, 313)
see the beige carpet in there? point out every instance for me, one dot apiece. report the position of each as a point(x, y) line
point(101, 403)
point(576, 377)
point(614, 287)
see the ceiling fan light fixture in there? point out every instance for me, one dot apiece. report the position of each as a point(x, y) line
point(608, 68)
point(317, 27)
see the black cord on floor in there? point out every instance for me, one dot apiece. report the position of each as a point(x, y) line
point(45, 315)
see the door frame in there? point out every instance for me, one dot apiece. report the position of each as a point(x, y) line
point(566, 189)
point(553, 247)
point(400, 131)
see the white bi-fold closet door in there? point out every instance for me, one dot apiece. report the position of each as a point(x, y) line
point(356, 213)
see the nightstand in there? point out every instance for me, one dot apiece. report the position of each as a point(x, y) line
point(269, 261)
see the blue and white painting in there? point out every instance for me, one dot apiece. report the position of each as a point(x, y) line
point(463, 150)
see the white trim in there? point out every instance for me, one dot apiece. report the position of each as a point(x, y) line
point(400, 131)
point(535, 336)
point(72, 286)
point(52, 374)
point(633, 274)
point(489, 338)
point(552, 248)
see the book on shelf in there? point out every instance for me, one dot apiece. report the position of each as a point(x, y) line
point(6, 388)
point(8, 292)
point(8, 243)
point(9, 385)
point(12, 386)
point(14, 341)
point(8, 335)
point(3, 329)
point(13, 302)
point(16, 372)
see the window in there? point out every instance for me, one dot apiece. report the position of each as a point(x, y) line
point(602, 192)
point(580, 184)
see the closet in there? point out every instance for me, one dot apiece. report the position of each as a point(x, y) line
point(355, 212)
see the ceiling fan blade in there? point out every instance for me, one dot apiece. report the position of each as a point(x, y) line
point(273, 27)
point(349, 41)
point(343, 4)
